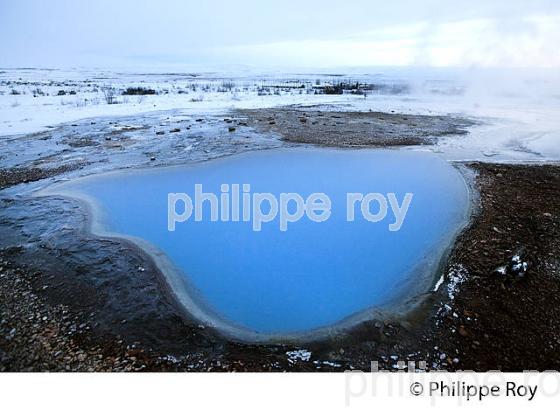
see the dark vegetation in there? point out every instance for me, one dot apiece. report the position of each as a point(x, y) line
point(361, 88)
point(139, 91)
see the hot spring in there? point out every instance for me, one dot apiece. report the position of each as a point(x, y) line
point(313, 274)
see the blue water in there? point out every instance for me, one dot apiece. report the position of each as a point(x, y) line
point(313, 274)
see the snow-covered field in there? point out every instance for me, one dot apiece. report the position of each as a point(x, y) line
point(519, 118)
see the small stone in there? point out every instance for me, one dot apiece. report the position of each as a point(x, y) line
point(231, 129)
point(464, 332)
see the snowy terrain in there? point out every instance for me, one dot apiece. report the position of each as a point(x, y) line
point(519, 119)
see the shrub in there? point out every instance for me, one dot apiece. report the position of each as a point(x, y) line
point(228, 85)
point(333, 89)
point(138, 91)
point(38, 92)
point(109, 94)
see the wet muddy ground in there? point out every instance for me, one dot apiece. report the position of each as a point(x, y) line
point(107, 143)
point(71, 301)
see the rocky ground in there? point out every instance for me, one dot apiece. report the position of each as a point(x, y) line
point(70, 301)
point(354, 129)
point(15, 176)
point(37, 336)
point(507, 313)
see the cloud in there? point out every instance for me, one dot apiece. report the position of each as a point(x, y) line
point(288, 33)
point(485, 42)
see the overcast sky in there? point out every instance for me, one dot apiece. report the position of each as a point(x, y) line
point(288, 33)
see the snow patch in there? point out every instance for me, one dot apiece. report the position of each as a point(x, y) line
point(457, 275)
point(438, 283)
point(301, 355)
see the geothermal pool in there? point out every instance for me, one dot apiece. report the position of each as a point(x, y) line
point(312, 274)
